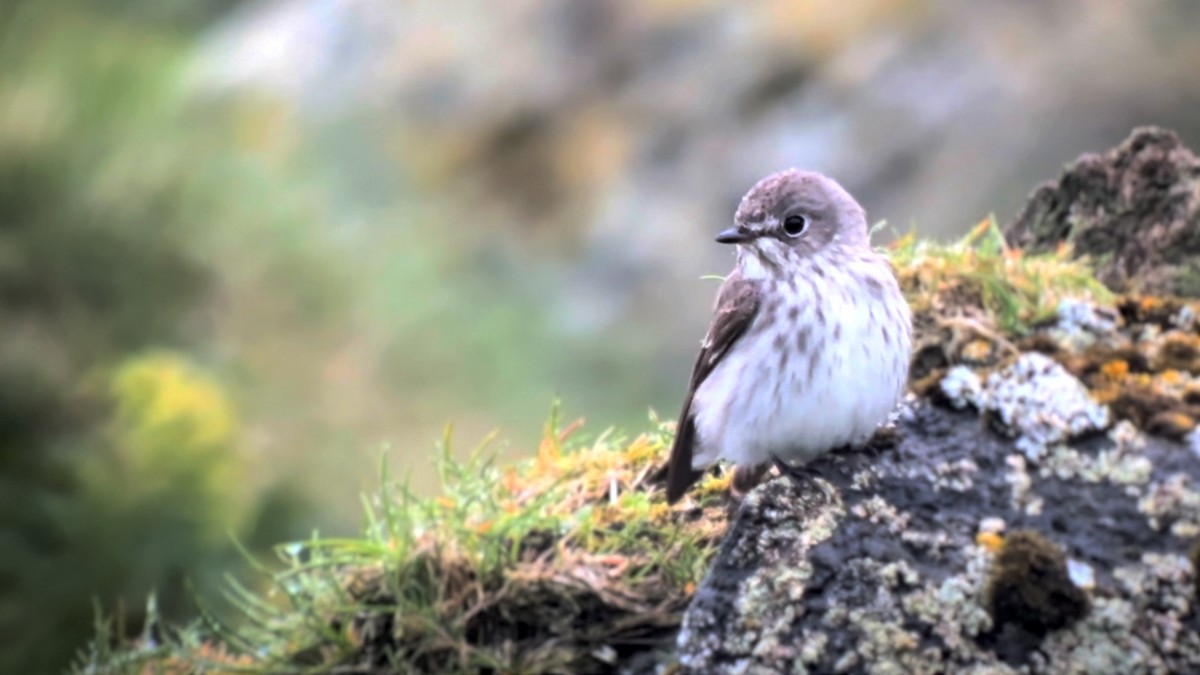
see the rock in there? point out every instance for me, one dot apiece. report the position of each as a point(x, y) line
point(881, 561)
point(1135, 209)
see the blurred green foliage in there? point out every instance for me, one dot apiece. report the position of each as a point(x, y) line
point(173, 436)
point(119, 471)
point(204, 302)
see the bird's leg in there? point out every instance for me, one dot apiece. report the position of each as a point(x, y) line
point(745, 479)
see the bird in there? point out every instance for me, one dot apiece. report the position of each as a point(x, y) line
point(810, 340)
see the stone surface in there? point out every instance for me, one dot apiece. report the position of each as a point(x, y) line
point(1135, 209)
point(878, 565)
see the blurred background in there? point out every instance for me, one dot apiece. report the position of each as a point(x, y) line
point(248, 247)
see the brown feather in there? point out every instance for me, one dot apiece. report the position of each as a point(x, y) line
point(737, 305)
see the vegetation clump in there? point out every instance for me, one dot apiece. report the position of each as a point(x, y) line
point(1029, 586)
point(980, 303)
point(570, 562)
point(980, 277)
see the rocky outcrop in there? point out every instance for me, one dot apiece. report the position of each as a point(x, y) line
point(1135, 209)
point(1032, 515)
point(885, 562)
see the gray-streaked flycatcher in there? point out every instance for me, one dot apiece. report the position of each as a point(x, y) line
point(810, 341)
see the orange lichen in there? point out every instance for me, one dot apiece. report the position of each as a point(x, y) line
point(989, 541)
point(1106, 393)
point(1160, 311)
point(977, 350)
point(1141, 380)
point(1171, 424)
point(1115, 370)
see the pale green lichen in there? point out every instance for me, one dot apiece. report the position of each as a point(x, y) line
point(1173, 500)
point(952, 607)
point(1034, 400)
point(813, 648)
point(877, 510)
point(1123, 464)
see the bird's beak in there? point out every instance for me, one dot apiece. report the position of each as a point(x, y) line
point(733, 236)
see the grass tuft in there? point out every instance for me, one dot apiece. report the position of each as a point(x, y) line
point(568, 562)
point(1017, 290)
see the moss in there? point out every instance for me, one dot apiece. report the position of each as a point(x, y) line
point(981, 276)
point(1179, 351)
point(1140, 404)
point(1150, 309)
point(1029, 586)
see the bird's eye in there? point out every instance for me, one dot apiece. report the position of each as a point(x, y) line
point(795, 226)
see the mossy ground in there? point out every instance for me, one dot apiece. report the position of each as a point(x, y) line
point(569, 562)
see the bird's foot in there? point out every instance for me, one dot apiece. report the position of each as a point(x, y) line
point(884, 438)
point(800, 475)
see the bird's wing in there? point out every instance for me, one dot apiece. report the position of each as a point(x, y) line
point(737, 305)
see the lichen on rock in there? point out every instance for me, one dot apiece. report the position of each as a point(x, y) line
point(1034, 400)
point(1051, 436)
point(878, 566)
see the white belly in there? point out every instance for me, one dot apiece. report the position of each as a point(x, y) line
point(835, 393)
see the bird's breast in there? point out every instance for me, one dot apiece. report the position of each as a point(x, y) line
point(824, 362)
